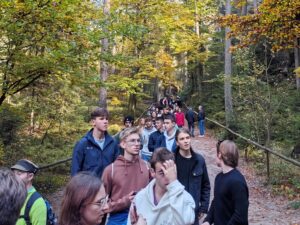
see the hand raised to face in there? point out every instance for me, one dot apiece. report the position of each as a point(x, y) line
point(170, 171)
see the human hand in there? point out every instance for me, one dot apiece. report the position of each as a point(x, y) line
point(131, 195)
point(170, 171)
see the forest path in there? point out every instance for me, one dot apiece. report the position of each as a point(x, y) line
point(264, 208)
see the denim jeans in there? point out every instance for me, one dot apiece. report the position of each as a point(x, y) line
point(201, 127)
point(191, 128)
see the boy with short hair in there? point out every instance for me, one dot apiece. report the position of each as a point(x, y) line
point(168, 138)
point(231, 195)
point(124, 177)
point(97, 149)
point(164, 200)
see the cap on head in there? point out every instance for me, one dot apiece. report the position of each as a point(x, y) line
point(128, 119)
point(26, 166)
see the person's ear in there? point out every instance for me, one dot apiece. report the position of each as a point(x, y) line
point(122, 144)
point(30, 176)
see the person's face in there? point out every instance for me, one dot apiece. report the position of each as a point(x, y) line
point(153, 114)
point(100, 123)
point(128, 124)
point(166, 111)
point(158, 174)
point(93, 212)
point(184, 141)
point(158, 124)
point(149, 124)
point(131, 144)
point(26, 177)
point(142, 122)
point(169, 125)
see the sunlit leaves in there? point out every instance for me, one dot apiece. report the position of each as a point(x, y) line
point(277, 21)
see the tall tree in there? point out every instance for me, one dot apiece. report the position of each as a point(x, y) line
point(103, 64)
point(228, 72)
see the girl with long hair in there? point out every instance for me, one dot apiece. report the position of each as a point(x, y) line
point(84, 201)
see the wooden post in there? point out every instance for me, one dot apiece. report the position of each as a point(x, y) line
point(268, 164)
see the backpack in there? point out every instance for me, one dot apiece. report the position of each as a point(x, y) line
point(51, 218)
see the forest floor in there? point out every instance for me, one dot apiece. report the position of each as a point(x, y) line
point(264, 208)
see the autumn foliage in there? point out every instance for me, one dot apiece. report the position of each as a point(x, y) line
point(277, 21)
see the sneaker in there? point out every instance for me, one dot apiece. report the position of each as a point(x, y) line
point(201, 135)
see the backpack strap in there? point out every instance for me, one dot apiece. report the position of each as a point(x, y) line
point(29, 204)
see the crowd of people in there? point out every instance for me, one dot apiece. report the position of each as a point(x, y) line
point(146, 174)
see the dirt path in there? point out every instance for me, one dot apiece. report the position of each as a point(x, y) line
point(264, 209)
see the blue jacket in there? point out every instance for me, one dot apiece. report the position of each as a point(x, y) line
point(88, 156)
point(154, 140)
point(199, 185)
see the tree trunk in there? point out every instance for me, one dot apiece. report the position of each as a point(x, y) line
point(132, 104)
point(103, 64)
point(244, 9)
point(228, 71)
point(255, 6)
point(297, 63)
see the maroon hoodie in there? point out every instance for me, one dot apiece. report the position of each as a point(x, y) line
point(122, 177)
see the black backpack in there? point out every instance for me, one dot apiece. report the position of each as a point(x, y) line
point(51, 218)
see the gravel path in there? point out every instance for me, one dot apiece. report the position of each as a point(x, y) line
point(264, 208)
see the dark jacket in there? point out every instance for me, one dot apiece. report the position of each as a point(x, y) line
point(190, 116)
point(199, 185)
point(88, 156)
point(154, 139)
point(201, 116)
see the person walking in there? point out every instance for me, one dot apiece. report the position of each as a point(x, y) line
point(157, 135)
point(26, 170)
point(168, 138)
point(192, 173)
point(84, 201)
point(97, 149)
point(190, 117)
point(164, 200)
point(125, 177)
point(231, 195)
point(12, 194)
point(179, 118)
point(146, 132)
point(201, 121)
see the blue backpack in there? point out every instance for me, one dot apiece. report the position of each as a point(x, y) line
point(51, 218)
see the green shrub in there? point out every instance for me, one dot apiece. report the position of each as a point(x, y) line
point(113, 129)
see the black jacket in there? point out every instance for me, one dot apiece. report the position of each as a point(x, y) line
point(190, 116)
point(199, 185)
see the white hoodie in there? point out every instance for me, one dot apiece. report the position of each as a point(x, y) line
point(176, 207)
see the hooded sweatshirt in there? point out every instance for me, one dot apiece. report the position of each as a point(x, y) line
point(145, 136)
point(122, 177)
point(176, 207)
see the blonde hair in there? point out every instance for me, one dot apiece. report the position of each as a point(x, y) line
point(127, 132)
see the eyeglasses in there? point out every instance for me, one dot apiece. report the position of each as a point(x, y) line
point(133, 141)
point(101, 202)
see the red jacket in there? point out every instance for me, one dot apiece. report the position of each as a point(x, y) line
point(179, 118)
